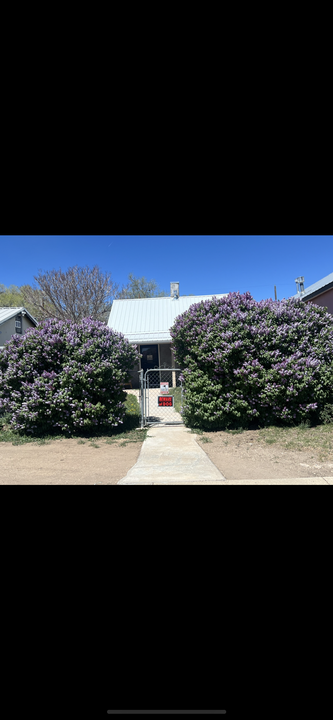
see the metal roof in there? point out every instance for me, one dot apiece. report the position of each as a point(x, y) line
point(148, 320)
point(318, 287)
point(8, 312)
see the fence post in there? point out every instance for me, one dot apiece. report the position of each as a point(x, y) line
point(181, 398)
point(141, 397)
point(144, 383)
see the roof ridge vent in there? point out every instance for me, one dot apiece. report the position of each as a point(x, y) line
point(174, 290)
point(300, 286)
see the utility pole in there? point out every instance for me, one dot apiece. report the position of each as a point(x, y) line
point(275, 292)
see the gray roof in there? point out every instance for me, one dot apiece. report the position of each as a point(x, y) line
point(318, 287)
point(8, 312)
point(148, 320)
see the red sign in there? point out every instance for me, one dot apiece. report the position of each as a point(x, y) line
point(165, 400)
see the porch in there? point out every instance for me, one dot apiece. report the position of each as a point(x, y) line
point(154, 356)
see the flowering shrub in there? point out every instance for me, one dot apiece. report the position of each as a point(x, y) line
point(65, 376)
point(244, 361)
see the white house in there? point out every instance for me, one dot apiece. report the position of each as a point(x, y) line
point(146, 322)
point(14, 320)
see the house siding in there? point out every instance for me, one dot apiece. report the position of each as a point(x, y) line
point(7, 328)
point(324, 300)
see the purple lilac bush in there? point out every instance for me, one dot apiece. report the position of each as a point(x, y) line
point(244, 361)
point(65, 377)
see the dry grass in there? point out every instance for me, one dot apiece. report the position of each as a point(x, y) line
point(300, 438)
point(317, 439)
point(272, 452)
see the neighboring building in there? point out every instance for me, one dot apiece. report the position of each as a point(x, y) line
point(320, 293)
point(14, 320)
point(146, 322)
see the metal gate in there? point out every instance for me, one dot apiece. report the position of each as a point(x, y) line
point(161, 396)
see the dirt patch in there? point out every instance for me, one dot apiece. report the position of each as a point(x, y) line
point(269, 455)
point(67, 462)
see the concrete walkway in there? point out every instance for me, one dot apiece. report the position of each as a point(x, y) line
point(171, 456)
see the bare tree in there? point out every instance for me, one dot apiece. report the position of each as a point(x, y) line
point(140, 288)
point(40, 308)
point(72, 295)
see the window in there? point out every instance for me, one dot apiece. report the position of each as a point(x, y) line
point(18, 325)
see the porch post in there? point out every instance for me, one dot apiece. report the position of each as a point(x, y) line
point(174, 383)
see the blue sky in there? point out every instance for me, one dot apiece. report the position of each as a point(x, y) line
point(203, 265)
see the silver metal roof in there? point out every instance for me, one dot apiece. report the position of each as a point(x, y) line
point(8, 312)
point(148, 320)
point(317, 286)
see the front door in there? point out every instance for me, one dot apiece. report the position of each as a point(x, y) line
point(149, 358)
